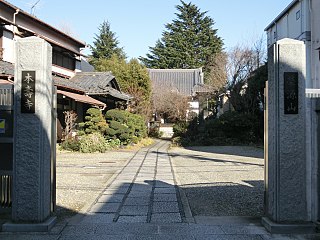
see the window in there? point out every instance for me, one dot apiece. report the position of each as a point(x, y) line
point(298, 15)
point(63, 60)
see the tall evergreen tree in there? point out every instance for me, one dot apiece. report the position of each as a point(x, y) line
point(133, 78)
point(190, 41)
point(105, 44)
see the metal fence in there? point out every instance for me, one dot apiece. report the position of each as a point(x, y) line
point(6, 145)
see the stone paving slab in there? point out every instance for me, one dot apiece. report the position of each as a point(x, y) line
point(105, 207)
point(111, 198)
point(243, 229)
point(28, 237)
point(228, 237)
point(116, 190)
point(137, 201)
point(98, 218)
point(191, 229)
point(134, 210)
point(94, 237)
point(170, 197)
point(165, 207)
point(132, 219)
point(80, 230)
point(127, 229)
point(166, 218)
point(161, 184)
point(145, 194)
point(166, 190)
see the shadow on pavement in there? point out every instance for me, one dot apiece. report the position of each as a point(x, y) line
point(139, 202)
point(245, 151)
point(221, 160)
point(204, 159)
point(226, 198)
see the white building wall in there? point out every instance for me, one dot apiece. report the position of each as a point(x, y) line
point(8, 53)
point(8, 46)
point(63, 71)
point(295, 19)
point(293, 24)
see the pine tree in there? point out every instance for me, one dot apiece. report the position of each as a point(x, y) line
point(105, 44)
point(188, 42)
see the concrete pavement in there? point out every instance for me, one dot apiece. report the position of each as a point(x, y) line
point(142, 201)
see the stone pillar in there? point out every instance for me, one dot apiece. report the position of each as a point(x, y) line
point(32, 136)
point(286, 203)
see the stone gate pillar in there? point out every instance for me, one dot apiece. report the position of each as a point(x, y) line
point(286, 203)
point(31, 206)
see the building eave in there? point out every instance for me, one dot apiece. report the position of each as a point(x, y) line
point(81, 44)
point(284, 12)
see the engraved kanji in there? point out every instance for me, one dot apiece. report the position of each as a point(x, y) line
point(28, 91)
point(28, 104)
point(28, 78)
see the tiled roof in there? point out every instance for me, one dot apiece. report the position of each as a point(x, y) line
point(90, 83)
point(114, 93)
point(66, 83)
point(93, 83)
point(182, 80)
point(6, 68)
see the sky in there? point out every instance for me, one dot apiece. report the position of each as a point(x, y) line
point(139, 24)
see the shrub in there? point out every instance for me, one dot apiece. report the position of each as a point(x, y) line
point(94, 122)
point(125, 126)
point(241, 126)
point(154, 131)
point(93, 142)
point(230, 129)
point(70, 144)
point(180, 128)
point(114, 143)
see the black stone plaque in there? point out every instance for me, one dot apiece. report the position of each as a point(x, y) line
point(28, 91)
point(291, 93)
point(6, 160)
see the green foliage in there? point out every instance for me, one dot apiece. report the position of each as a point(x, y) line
point(232, 128)
point(93, 142)
point(154, 132)
point(70, 144)
point(133, 78)
point(94, 122)
point(180, 128)
point(105, 44)
point(114, 143)
point(254, 95)
point(188, 42)
point(125, 126)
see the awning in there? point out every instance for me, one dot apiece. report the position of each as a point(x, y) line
point(82, 98)
point(5, 82)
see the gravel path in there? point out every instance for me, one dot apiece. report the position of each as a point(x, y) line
point(82, 177)
point(221, 181)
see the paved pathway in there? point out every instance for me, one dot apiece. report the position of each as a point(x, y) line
point(143, 202)
point(144, 191)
